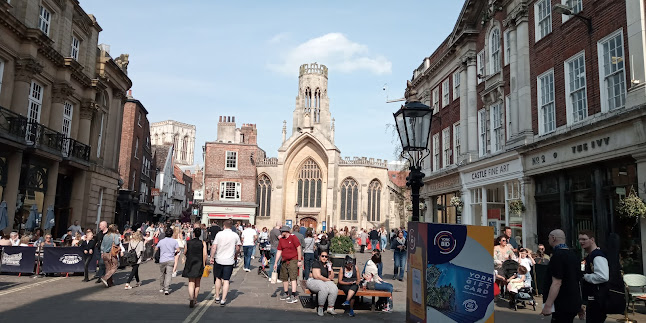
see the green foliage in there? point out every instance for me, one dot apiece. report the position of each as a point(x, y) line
point(632, 206)
point(341, 245)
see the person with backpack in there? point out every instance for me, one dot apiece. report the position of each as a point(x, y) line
point(133, 257)
point(594, 285)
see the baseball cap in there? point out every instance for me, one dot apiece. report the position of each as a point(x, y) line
point(285, 228)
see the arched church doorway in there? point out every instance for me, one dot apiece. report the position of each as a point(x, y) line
point(306, 222)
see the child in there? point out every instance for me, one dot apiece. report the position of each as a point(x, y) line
point(518, 280)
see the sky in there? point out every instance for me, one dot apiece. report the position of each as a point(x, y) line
point(193, 61)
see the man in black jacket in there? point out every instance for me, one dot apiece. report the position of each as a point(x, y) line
point(597, 274)
point(213, 230)
point(374, 238)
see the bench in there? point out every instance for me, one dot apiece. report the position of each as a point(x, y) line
point(360, 293)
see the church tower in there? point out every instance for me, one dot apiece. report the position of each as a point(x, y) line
point(312, 112)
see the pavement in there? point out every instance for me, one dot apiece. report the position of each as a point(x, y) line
point(251, 297)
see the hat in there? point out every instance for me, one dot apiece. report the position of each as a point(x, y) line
point(285, 228)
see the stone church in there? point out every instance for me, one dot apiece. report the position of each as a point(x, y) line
point(309, 183)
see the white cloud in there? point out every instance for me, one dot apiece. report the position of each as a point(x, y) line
point(278, 38)
point(335, 51)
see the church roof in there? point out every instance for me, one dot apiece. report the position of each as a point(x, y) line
point(398, 177)
point(179, 175)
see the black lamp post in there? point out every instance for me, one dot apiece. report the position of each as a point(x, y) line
point(413, 122)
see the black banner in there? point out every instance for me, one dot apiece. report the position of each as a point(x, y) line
point(18, 259)
point(62, 260)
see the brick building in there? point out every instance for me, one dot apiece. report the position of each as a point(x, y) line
point(230, 173)
point(134, 203)
point(551, 114)
point(61, 104)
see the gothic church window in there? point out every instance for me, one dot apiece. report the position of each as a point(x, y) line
point(349, 199)
point(317, 106)
point(263, 195)
point(308, 100)
point(374, 201)
point(309, 185)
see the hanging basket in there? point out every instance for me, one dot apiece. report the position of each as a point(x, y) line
point(516, 207)
point(632, 206)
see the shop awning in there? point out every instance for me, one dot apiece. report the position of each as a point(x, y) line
point(223, 216)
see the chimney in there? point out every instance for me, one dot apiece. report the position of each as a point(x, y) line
point(233, 119)
point(220, 119)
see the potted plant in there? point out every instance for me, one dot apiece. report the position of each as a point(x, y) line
point(632, 206)
point(456, 201)
point(340, 246)
point(516, 207)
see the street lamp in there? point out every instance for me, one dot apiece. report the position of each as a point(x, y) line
point(413, 122)
point(568, 11)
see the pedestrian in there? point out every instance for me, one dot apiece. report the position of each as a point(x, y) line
point(263, 240)
point(87, 246)
point(308, 254)
point(15, 238)
point(75, 228)
point(561, 297)
point(321, 282)
point(349, 281)
point(168, 248)
point(399, 246)
point(138, 245)
point(181, 242)
point(195, 253)
point(103, 230)
point(510, 239)
point(363, 240)
point(290, 254)
point(383, 234)
point(374, 238)
point(597, 274)
point(249, 237)
point(541, 257)
point(274, 235)
point(225, 247)
point(109, 244)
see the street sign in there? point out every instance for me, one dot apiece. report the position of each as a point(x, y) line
point(154, 192)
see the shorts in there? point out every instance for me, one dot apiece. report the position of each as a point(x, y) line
point(222, 271)
point(289, 270)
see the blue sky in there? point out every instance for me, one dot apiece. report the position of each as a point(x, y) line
point(193, 61)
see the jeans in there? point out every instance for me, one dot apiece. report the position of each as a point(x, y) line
point(272, 261)
point(309, 259)
point(325, 291)
point(400, 264)
point(166, 269)
point(374, 244)
point(384, 286)
point(380, 269)
point(383, 243)
point(134, 274)
point(248, 251)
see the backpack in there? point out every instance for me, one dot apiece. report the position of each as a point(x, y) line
point(131, 256)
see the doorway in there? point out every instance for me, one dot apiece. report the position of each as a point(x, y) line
point(308, 222)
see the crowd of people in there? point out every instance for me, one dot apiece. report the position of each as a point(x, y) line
point(290, 254)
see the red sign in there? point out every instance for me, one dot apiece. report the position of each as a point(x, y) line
point(154, 192)
point(228, 216)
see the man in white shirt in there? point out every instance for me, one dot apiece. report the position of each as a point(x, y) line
point(249, 236)
point(225, 246)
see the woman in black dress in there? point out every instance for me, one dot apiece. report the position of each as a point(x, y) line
point(195, 253)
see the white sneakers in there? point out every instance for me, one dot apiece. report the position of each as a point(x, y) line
point(247, 269)
point(330, 310)
point(319, 311)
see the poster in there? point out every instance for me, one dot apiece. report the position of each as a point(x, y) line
point(62, 260)
point(450, 273)
point(18, 259)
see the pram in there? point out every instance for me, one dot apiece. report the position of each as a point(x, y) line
point(265, 255)
point(524, 294)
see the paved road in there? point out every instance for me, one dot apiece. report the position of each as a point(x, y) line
point(67, 299)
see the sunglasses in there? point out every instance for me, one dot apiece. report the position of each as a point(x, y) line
point(503, 240)
point(323, 256)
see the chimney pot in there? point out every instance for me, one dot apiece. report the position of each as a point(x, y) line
point(233, 119)
point(220, 119)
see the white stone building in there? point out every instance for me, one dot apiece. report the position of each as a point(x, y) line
point(309, 182)
point(180, 135)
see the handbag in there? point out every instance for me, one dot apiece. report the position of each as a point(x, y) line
point(115, 250)
point(207, 271)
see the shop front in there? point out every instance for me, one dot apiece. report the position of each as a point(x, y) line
point(579, 182)
point(438, 194)
point(493, 194)
point(219, 214)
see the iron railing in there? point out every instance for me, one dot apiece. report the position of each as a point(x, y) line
point(19, 128)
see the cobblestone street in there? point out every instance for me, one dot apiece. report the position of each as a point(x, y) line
point(67, 299)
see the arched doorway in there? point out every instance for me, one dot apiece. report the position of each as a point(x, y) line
point(307, 221)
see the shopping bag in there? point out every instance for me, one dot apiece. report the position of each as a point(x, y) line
point(274, 277)
point(207, 270)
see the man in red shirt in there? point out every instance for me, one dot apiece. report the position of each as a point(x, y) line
point(289, 248)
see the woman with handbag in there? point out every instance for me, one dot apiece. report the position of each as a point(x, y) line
point(135, 247)
point(195, 253)
point(374, 282)
point(110, 250)
point(399, 245)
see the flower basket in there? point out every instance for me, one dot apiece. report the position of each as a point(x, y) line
point(516, 207)
point(456, 201)
point(632, 206)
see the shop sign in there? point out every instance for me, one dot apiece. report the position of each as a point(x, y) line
point(154, 192)
point(496, 171)
point(446, 183)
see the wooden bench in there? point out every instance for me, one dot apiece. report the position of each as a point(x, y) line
point(360, 293)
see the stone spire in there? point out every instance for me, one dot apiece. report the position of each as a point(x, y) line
point(284, 130)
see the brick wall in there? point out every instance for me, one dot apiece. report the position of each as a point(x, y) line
point(215, 173)
point(568, 39)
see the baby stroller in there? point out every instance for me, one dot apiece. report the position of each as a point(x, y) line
point(265, 255)
point(524, 294)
